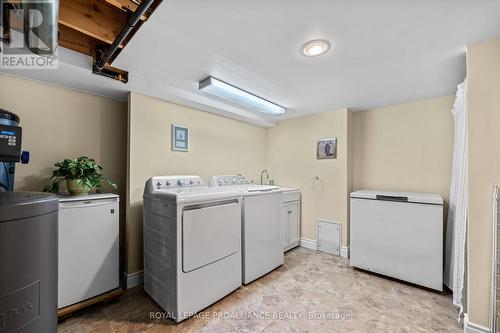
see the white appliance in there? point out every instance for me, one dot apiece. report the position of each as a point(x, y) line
point(192, 243)
point(398, 234)
point(88, 247)
point(262, 244)
point(290, 225)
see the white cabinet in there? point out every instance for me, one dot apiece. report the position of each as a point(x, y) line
point(290, 218)
point(88, 247)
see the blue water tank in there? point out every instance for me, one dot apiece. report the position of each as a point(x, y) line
point(7, 169)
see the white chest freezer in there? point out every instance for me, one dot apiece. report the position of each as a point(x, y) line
point(88, 247)
point(398, 234)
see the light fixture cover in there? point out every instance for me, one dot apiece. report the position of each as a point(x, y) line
point(315, 47)
point(231, 93)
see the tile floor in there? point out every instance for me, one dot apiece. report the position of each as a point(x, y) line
point(311, 292)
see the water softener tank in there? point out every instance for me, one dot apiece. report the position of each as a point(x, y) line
point(7, 169)
point(28, 262)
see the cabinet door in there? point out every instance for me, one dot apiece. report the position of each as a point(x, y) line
point(292, 225)
point(284, 225)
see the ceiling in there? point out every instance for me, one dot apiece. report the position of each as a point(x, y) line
point(383, 52)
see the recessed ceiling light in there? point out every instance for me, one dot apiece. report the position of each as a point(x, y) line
point(315, 48)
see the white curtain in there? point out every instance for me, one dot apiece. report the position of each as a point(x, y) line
point(454, 271)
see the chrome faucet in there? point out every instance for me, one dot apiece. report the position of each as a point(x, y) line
point(262, 176)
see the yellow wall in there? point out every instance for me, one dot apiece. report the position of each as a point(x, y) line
point(218, 145)
point(59, 123)
point(404, 147)
point(292, 162)
point(483, 71)
point(407, 147)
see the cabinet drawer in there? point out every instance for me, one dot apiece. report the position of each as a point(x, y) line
point(291, 196)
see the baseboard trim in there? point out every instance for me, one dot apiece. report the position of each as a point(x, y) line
point(313, 245)
point(309, 244)
point(470, 327)
point(344, 251)
point(134, 279)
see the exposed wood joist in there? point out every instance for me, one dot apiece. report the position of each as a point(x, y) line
point(77, 41)
point(134, 23)
point(93, 18)
point(127, 5)
point(86, 26)
point(81, 43)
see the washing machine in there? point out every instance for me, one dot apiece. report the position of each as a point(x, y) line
point(262, 244)
point(192, 243)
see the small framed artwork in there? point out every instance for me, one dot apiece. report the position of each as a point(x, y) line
point(327, 149)
point(180, 138)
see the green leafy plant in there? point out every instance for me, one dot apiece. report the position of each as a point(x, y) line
point(85, 171)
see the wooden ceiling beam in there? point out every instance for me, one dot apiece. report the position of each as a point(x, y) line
point(87, 26)
point(124, 4)
point(127, 5)
point(93, 18)
point(78, 41)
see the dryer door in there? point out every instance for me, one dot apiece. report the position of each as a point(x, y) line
point(210, 233)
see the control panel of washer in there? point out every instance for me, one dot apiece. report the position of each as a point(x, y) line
point(229, 180)
point(166, 182)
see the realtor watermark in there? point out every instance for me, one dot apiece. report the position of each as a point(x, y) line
point(24, 61)
point(29, 34)
point(257, 315)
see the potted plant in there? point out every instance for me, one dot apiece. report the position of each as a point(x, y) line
point(82, 175)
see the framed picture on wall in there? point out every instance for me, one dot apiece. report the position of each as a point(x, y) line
point(326, 149)
point(180, 138)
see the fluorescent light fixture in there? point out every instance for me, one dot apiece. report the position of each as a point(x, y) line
point(231, 93)
point(315, 48)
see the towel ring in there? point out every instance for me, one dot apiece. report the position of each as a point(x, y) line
point(315, 182)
